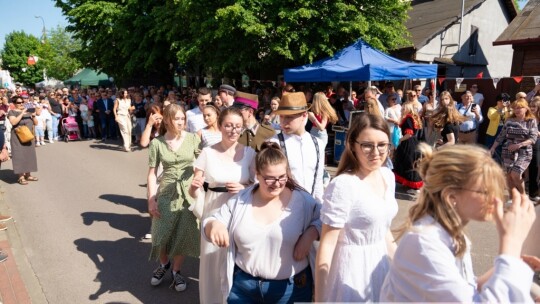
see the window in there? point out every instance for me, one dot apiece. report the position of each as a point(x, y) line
point(473, 41)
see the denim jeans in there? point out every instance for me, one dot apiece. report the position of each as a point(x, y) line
point(55, 122)
point(249, 289)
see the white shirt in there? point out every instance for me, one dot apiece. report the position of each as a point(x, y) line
point(195, 120)
point(478, 98)
point(302, 157)
point(424, 269)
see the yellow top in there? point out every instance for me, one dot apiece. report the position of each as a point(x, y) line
point(495, 119)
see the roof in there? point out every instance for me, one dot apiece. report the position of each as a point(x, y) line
point(427, 18)
point(525, 28)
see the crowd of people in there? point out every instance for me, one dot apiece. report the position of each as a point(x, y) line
point(237, 180)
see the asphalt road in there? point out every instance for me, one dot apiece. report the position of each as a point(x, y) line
point(80, 228)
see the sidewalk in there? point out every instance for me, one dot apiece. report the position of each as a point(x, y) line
point(18, 283)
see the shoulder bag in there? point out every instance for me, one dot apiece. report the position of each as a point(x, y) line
point(24, 134)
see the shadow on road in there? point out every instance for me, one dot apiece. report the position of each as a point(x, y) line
point(124, 267)
point(8, 177)
point(138, 204)
point(135, 225)
point(107, 147)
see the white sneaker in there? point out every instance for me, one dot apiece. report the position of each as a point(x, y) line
point(38, 144)
point(51, 141)
point(43, 143)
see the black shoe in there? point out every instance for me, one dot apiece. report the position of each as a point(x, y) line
point(159, 273)
point(3, 257)
point(178, 283)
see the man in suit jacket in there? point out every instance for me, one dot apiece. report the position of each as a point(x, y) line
point(105, 107)
point(254, 134)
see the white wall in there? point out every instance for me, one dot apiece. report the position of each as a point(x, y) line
point(491, 22)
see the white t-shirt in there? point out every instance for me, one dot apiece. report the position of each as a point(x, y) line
point(195, 120)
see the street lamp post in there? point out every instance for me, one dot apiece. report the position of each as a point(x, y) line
point(44, 37)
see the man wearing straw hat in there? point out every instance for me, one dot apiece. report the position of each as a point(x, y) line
point(254, 134)
point(304, 151)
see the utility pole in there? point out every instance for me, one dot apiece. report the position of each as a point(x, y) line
point(44, 35)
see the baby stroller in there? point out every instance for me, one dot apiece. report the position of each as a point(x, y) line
point(71, 129)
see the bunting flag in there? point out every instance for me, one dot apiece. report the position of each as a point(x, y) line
point(536, 80)
point(480, 75)
point(495, 81)
point(518, 79)
point(441, 79)
point(458, 82)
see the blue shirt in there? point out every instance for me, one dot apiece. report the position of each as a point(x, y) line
point(470, 123)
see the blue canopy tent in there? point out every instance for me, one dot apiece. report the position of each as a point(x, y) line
point(359, 62)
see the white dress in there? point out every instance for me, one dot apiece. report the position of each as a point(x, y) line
point(360, 261)
point(217, 172)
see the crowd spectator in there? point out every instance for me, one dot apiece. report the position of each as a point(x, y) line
point(518, 137)
point(446, 119)
point(321, 115)
point(406, 152)
point(359, 205)
point(105, 107)
point(419, 96)
point(478, 97)
point(24, 154)
point(392, 115)
point(468, 130)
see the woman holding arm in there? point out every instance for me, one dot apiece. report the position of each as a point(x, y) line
point(433, 261)
point(23, 154)
point(519, 134)
point(151, 131)
point(268, 229)
point(227, 167)
point(175, 232)
point(359, 205)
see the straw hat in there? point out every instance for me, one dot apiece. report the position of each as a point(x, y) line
point(292, 103)
point(242, 99)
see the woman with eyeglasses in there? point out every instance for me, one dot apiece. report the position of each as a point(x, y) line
point(433, 260)
point(23, 154)
point(175, 232)
point(406, 153)
point(356, 244)
point(267, 231)
point(227, 167)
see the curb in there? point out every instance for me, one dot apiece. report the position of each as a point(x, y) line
point(24, 283)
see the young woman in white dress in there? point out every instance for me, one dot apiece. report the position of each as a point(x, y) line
point(433, 260)
point(227, 167)
point(358, 207)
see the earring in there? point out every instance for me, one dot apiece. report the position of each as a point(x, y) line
point(454, 203)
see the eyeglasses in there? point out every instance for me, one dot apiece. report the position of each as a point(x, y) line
point(272, 180)
point(368, 148)
point(231, 128)
point(471, 190)
point(412, 95)
point(19, 102)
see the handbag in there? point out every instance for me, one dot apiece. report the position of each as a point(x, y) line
point(24, 134)
point(396, 136)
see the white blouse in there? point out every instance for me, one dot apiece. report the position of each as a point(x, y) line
point(424, 269)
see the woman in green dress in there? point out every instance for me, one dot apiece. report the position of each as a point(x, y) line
point(174, 228)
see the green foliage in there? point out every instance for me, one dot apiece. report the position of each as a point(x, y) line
point(58, 54)
point(17, 48)
point(126, 38)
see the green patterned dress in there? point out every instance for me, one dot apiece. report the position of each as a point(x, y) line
point(177, 230)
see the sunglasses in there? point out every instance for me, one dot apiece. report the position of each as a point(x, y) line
point(19, 102)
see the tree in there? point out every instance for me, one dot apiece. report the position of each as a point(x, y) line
point(17, 48)
point(59, 54)
point(127, 37)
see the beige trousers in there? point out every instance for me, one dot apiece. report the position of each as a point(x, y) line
point(124, 124)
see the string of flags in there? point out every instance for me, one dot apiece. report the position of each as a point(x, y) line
point(496, 80)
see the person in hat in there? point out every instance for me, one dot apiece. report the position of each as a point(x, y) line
point(304, 151)
point(254, 133)
point(226, 94)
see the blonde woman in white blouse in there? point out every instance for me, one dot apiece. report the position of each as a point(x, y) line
point(433, 261)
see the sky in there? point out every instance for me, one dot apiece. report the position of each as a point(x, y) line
point(17, 15)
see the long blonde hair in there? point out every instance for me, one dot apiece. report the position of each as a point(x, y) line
point(169, 113)
point(321, 106)
point(441, 172)
point(409, 109)
point(522, 103)
point(373, 106)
